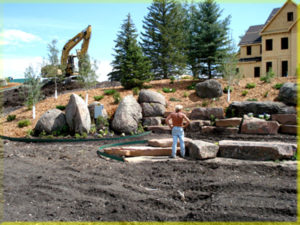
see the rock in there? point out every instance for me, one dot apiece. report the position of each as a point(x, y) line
point(151, 121)
point(230, 122)
point(78, 115)
point(127, 116)
point(159, 129)
point(202, 150)
point(195, 125)
point(250, 150)
point(91, 108)
point(239, 109)
point(52, 120)
point(288, 93)
point(152, 109)
point(286, 119)
point(219, 130)
point(259, 126)
point(288, 129)
point(166, 142)
point(151, 97)
point(209, 89)
point(205, 113)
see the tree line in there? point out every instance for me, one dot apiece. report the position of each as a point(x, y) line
point(176, 37)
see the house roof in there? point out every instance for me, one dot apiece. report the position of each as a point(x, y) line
point(252, 35)
point(274, 11)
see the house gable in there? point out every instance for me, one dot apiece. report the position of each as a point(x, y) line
point(279, 22)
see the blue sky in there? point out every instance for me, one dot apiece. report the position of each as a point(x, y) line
point(28, 28)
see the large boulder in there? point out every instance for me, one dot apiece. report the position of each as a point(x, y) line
point(238, 109)
point(151, 97)
point(167, 142)
point(205, 113)
point(250, 150)
point(153, 109)
point(286, 119)
point(127, 116)
point(259, 126)
point(288, 93)
point(196, 125)
point(152, 121)
point(209, 89)
point(91, 108)
point(78, 115)
point(230, 122)
point(52, 120)
point(202, 150)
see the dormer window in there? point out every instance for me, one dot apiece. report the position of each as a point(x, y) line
point(248, 50)
point(290, 16)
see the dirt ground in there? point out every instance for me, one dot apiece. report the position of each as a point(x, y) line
point(69, 182)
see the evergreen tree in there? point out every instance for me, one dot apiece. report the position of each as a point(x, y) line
point(130, 66)
point(164, 40)
point(208, 37)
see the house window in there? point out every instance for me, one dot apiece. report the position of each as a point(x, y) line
point(284, 68)
point(256, 71)
point(284, 43)
point(269, 44)
point(269, 66)
point(290, 16)
point(248, 50)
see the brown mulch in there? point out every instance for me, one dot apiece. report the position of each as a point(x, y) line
point(190, 102)
point(10, 85)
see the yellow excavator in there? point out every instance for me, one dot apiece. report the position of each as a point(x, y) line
point(68, 60)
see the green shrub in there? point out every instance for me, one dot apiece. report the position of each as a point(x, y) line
point(61, 107)
point(250, 85)
point(168, 90)
point(244, 93)
point(185, 94)
point(252, 99)
point(11, 118)
point(98, 97)
point(172, 79)
point(131, 83)
point(93, 129)
point(267, 78)
point(212, 119)
point(191, 87)
point(174, 100)
point(278, 86)
point(84, 135)
point(29, 133)
point(23, 123)
point(266, 94)
point(117, 98)
point(225, 90)
point(42, 134)
point(140, 128)
point(102, 121)
point(135, 90)
point(77, 136)
point(109, 92)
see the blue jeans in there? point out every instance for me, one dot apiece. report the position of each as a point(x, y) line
point(177, 132)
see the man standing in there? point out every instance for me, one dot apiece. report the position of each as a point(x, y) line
point(177, 127)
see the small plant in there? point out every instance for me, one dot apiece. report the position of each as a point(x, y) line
point(98, 97)
point(252, 99)
point(266, 94)
point(117, 98)
point(42, 134)
point(191, 87)
point(250, 85)
point(23, 123)
point(185, 94)
point(140, 128)
point(84, 135)
point(77, 136)
point(268, 77)
point(10, 118)
point(102, 122)
point(204, 103)
point(109, 92)
point(61, 107)
point(244, 93)
point(174, 100)
point(93, 129)
point(278, 86)
point(135, 90)
point(225, 90)
point(212, 119)
point(29, 133)
point(81, 96)
point(172, 79)
point(168, 90)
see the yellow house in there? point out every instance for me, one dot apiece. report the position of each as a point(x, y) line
point(272, 45)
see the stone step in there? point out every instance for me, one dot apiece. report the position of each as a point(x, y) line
point(261, 151)
point(288, 129)
point(286, 119)
point(140, 151)
point(259, 126)
point(207, 130)
point(166, 142)
point(159, 129)
point(230, 122)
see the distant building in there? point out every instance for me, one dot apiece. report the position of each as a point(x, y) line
point(271, 45)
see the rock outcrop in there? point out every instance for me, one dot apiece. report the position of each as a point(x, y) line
point(202, 150)
point(209, 89)
point(259, 126)
point(288, 93)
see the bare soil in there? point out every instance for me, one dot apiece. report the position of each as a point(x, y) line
point(69, 182)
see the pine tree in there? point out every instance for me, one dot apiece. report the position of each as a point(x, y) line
point(130, 66)
point(208, 37)
point(163, 40)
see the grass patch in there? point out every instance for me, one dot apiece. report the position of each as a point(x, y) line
point(117, 98)
point(98, 97)
point(266, 94)
point(250, 85)
point(252, 99)
point(135, 90)
point(168, 90)
point(244, 93)
point(23, 123)
point(278, 86)
point(10, 118)
point(61, 107)
point(225, 90)
point(174, 100)
point(191, 87)
point(110, 92)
